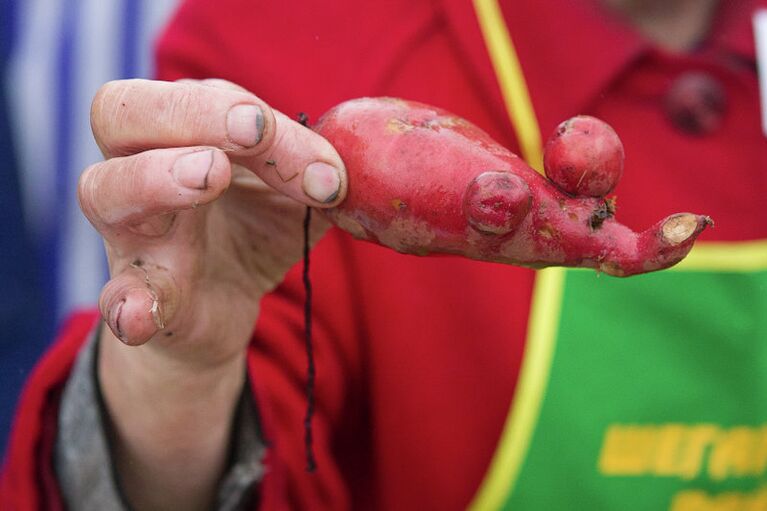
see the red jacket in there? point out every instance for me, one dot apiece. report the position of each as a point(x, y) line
point(418, 357)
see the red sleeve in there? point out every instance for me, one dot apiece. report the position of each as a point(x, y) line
point(28, 480)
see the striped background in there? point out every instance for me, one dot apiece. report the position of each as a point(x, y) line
point(57, 54)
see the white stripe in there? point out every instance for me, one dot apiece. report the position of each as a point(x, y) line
point(157, 13)
point(31, 82)
point(760, 35)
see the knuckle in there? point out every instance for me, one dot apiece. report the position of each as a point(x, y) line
point(103, 187)
point(106, 114)
point(86, 186)
point(132, 174)
point(185, 112)
point(101, 103)
point(183, 103)
point(281, 140)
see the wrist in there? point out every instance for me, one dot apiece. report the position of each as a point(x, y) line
point(171, 421)
point(152, 369)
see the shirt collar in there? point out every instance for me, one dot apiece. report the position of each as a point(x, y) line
point(570, 51)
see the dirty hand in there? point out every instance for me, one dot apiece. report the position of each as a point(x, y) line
point(200, 201)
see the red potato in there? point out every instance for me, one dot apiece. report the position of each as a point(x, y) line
point(423, 181)
point(584, 156)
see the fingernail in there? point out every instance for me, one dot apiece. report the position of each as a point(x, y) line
point(245, 124)
point(321, 182)
point(191, 170)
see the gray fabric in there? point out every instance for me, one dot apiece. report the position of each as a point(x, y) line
point(247, 469)
point(82, 459)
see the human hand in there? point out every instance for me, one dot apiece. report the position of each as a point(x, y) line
point(200, 202)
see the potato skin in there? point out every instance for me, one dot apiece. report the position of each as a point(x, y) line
point(584, 157)
point(410, 166)
point(424, 181)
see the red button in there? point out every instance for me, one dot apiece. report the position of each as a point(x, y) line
point(696, 103)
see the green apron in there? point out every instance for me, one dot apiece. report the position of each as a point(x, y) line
point(647, 393)
point(655, 398)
